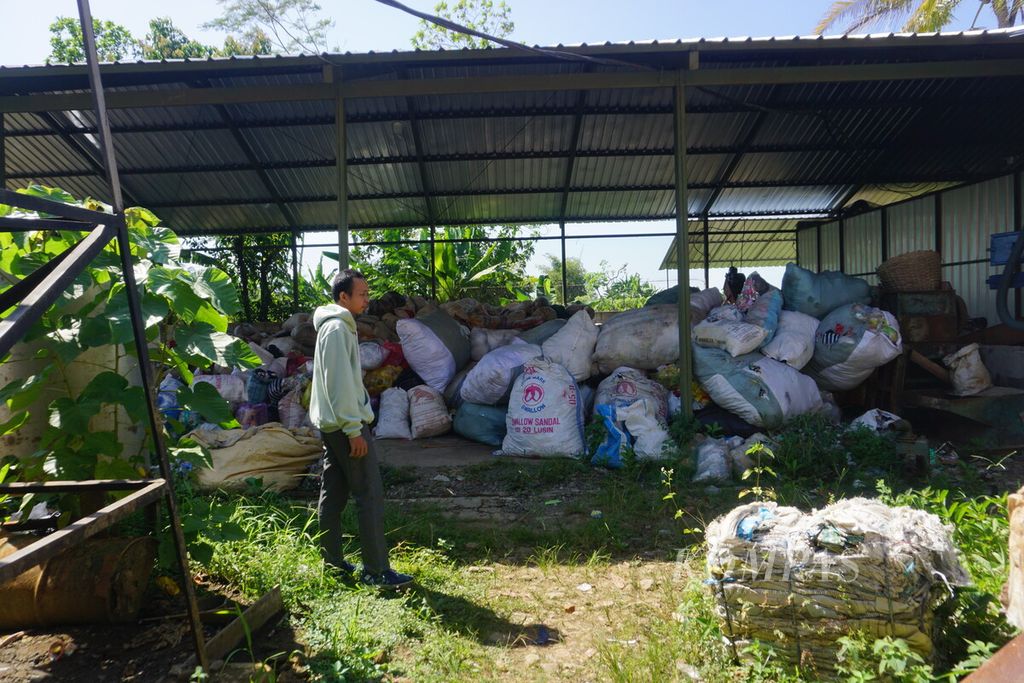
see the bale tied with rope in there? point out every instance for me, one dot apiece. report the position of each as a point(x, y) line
point(799, 581)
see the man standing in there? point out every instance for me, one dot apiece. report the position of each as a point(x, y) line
point(340, 408)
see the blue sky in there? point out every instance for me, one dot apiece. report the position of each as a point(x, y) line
point(364, 25)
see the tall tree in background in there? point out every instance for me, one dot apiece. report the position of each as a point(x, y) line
point(167, 41)
point(113, 41)
point(289, 25)
point(913, 15)
point(480, 15)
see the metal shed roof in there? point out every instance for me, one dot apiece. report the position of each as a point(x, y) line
point(776, 127)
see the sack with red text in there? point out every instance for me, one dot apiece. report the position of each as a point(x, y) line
point(545, 413)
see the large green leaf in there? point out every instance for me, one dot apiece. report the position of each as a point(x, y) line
point(15, 423)
point(106, 387)
point(115, 468)
point(118, 317)
point(204, 399)
point(200, 341)
point(215, 286)
point(72, 417)
point(179, 288)
point(159, 245)
point(21, 393)
point(134, 401)
point(102, 444)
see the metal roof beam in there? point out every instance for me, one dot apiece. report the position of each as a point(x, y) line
point(577, 130)
point(817, 182)
point(421, 168)
point(794, 107)
point(840, 73)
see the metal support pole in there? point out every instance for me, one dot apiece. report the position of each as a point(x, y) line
point(243, 275)
point(817, 249)
point(3, 154)
point(138, 330)
point(433, 262)
point(565, 268)
point(341, 164)
point(682, 248)
point(842, 245)
point(707, 254)
point(295, 271)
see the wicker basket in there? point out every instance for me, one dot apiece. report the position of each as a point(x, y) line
point(915, 271)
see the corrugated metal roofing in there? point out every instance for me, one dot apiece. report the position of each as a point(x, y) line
point(757, 150)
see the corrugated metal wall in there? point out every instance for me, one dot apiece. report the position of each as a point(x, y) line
point(912, 226)
point(969, 216)
point(830, 247)
point(807, 248)
point(862, 240)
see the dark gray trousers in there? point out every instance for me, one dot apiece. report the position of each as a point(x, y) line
point(360, 478)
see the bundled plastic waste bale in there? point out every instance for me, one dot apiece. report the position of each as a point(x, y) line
point(428, 413)
point(488, 383)
point(850, 343)
point(393, 421)
point(484, 424)
point(644, 338)
point(761, 391)
point(626, 386)
point(545, 415)
point(793, 343)
point(764, 312)
point(482, 341)
point(435, 347)
point(724, 328)
point(701, 303)
point(573, 345)
point(818, 294)
point(800, 581)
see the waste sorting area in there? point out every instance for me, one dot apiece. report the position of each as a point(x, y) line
point(880, 171)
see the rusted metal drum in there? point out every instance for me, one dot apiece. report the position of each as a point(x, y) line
point(99, 581)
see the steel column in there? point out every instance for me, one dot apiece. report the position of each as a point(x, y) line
point(707, 254)
point(295, 270)
point(565, 268)
point(433, 262)
point(341, 163)
point(682, 247)
point(138, 330)
point(3, 154)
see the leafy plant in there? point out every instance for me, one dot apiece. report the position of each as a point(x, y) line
point(761, 454)
point(884, 659)
point(86, 336)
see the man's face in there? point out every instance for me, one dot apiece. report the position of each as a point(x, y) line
point(359, 300)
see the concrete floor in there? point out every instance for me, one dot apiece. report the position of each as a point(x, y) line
point(439, 451)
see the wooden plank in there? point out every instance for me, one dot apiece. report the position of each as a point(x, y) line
point(228, 638)
point(19, 488)
point(78, 531)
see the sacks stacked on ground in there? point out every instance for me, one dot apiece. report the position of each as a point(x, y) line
point(393, 420)
point(762, 391)
point(801, 581)
point(793, 343)
point(269, 452)
point(545, 413)
point(625, 386)
point(573, 345)
point(485, 424)
point(850, 343)
point(434, 347)
point(428, 414)
point(489, 382)
point(645, 338)
point(745, 326)
point(818, 294)
point(482, 341)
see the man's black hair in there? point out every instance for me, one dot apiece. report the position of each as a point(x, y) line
point(343, 282)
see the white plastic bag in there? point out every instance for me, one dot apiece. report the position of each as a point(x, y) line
point(483, 341)
point(428, 413)
point(573, 345)
point(393, 422)
point(649, 436)
point(545, 415)
point(712, 461)
point(434, 347)
point(794, 340)
point(626, 386)
point(968, 373)
point(876, 420)
point(489, 381)
point(371, 355)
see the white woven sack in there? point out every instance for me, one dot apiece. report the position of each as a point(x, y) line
point(793, 343)
point(428, 413)
point(573, 345)
point(489, 380)
point(393, 422)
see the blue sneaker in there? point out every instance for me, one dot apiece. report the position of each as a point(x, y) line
point(345, 568)
point(388, 580)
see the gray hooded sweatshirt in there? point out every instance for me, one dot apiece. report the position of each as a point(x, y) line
point(338, 400)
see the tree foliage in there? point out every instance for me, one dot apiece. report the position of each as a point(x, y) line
point(489, 271)
point(912, 15)
point(606, 289)
point(287, 25)
point(481, 15)
point(113, 41)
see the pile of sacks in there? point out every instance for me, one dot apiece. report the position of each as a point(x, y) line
point(800, 581)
